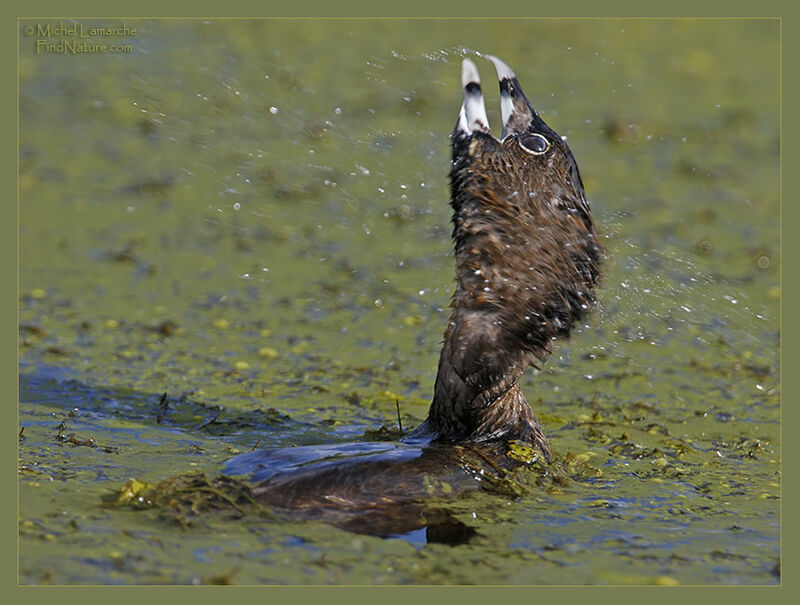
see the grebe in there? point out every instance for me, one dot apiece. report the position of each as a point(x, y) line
point(527, 262)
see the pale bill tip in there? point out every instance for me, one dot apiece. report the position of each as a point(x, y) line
point(469, 73)
point(504, 72)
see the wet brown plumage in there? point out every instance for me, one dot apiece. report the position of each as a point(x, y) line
point(527, 261)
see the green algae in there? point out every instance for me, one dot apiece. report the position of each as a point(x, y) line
point(284, 279)
point(185, 497)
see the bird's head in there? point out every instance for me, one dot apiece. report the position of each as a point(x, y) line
point(525, 243)
point(529, 156)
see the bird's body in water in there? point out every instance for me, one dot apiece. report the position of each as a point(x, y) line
point(527, 261)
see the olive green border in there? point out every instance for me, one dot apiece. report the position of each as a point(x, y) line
point(406, 8)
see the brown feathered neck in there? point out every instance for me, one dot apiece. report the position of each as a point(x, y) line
point(527, 261)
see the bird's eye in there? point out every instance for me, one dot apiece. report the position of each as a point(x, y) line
point(534, 143)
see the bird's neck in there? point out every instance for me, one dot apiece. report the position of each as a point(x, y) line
point(525, 271)
point(477, 396)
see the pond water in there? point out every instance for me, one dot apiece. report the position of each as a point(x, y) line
point(252, 217)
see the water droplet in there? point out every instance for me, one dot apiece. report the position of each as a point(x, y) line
point(273, 110)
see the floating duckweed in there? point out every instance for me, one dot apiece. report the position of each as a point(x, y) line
point(523, 453)
point(130, 492)
point(112, 324)
point(241, 365)
point(384, 433)
point(184, 496)
point(38, 293)
point(221, 323)
point(665, 581)
point(268, 352)
point(436, 487)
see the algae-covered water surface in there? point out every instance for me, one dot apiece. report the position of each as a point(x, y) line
point(235, 235)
